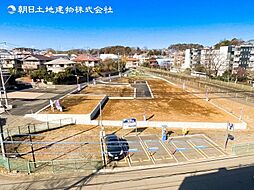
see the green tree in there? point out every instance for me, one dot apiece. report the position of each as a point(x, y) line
point(183, 47)
point(199, 68)
point(39, 74)
point(225, 42)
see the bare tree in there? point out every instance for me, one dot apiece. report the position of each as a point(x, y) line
point(212, 62)
point(250, 74)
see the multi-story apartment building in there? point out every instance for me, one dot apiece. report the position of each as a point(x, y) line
point(217, 60)
point(227, 58)
point(244, 56)
point(192, 57)
point(178, 58)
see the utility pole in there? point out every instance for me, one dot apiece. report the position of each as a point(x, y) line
point(2, 139)
point(88, 75)
point(102, 135)
point(118, 65)
point(102, 128)
point(31, 144)
point(3, 87)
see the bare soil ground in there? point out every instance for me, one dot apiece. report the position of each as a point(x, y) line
point(170, 104)
point(72, 142)
point(240, 136)
point(82, 142)
point(76, 105)
point(110, 90)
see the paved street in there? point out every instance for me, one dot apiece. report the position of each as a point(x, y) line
point(21, 106)
point(142, 89)
point(25, 106)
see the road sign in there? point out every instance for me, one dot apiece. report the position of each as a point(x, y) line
point(230, 127)
point(130, 123)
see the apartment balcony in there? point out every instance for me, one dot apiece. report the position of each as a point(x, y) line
point(252, 58)
point(237, 52)
point(236, 59)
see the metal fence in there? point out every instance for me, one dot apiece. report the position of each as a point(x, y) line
point(38, 127)
point(243, 149)
point(211, 81)
point(53, 166)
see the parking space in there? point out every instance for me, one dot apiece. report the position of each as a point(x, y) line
point(156, 150)
point(188, 151)
point(150, 150)
point(207, 148)
point(137, 153)
point(197, 147)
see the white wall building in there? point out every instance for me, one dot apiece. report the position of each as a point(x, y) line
point(192, 57)
point(59, 65)
point(103, 57)
point(132, 63)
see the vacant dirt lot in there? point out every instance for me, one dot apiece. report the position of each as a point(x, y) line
point(110, 90)
point(72, 142)
point(170, 104)
point(80, 141)
point(77, 105)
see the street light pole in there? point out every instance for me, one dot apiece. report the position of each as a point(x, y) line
point(88, 74)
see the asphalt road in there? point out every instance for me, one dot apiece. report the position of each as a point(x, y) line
point(26, 106)
point(142, 90)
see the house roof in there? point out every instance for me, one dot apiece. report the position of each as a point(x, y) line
point(83, 58)
point(152, 60)
point(131, 59)
point(108, 56)
point(60, 61)
point(39, 57)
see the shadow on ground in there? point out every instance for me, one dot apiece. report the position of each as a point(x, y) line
point(240, 178)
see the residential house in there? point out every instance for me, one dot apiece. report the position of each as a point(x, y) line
point(73, 56)
point(131, 62)
point(33, 62)
point(21, 53)
point(153, 62)
point(57, 55)
point(59, 65)
point(104, 57)
point(9, 60)
point(165, 62)
point(142, 58)
point(88, 60)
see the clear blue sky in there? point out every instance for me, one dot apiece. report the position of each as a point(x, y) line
point(150, 23)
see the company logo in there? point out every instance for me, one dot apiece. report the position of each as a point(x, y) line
point(11, 9)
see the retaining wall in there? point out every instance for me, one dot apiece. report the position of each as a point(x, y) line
point(189, 125)
point(77, 118)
